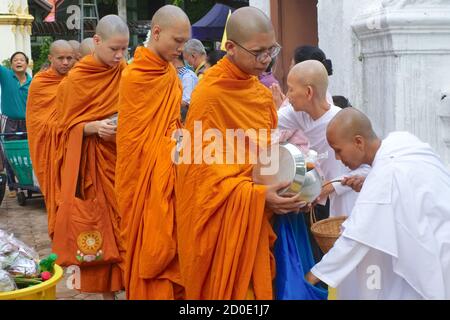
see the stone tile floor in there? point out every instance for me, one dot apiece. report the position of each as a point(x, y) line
point(29, 224)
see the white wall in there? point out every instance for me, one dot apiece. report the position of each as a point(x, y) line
point(337, 40)
point(392, 59)
point(264, 5)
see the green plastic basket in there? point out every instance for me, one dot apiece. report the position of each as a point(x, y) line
point(18, 155)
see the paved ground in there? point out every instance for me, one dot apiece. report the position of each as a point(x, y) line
point(29, 224)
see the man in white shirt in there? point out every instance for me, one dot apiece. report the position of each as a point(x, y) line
point(396, 242)
point(310, 111)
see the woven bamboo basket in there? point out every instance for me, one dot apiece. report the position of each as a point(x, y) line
point(326, 231)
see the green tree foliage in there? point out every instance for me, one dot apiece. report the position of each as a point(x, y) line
point(6, 63)
point(43, 54)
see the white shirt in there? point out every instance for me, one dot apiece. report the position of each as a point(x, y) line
point(342, 201)
point(399, 228)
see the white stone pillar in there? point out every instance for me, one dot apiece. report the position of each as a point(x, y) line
point(15, 28)
point(405, 53)
point(7, 22)
point(264, 5)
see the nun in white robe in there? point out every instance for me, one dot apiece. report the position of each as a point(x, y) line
point(343, 199)
point(396, 242)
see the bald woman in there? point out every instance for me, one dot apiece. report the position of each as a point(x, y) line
point(310, 111)
point(224, 234)
point(395, 243)
point(87, 47)
point(149, 113)
point(41, 121)
point(87, 100)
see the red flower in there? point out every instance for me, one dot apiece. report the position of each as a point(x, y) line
point(45, 275)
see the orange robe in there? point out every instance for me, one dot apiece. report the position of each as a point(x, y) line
point(41, 126)
point(90, 93)
point(224, 233)
point(149, 112)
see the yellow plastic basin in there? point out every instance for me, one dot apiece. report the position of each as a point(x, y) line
point(43, 291)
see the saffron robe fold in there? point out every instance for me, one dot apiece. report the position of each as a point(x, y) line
point(42, 138)
point(224, 234)
point(149, 112)
point(90, 93)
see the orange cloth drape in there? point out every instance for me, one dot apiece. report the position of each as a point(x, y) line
point(149, 112)
point(224, 233)
point(42, 139)
point(90, 93)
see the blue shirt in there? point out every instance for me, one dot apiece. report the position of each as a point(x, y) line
point(14, 95)
point(189, 80)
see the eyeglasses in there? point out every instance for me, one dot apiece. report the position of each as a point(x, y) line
point(261, 57)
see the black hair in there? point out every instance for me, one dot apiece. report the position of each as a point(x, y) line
point(214, 56)
point(304, 53)
point(19, 52)
point(341, 102)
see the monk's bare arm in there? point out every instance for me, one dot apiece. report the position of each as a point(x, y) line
point(105, 129)
point(91, 128)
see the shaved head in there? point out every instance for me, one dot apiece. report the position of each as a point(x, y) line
point(167, 15)
point(111, 40)
point(251, 43)
point(170, 29)
point(311, 73)
point(60, 44)
point(75, 45)
point(76, 48)
point(87, 47)
point(61, 56)
point(111, 25)
point(351, 122)
point(246, 22)
point(307, 88)
point(352, 137)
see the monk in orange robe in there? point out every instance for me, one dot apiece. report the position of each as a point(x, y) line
point(87, 105)
point(223, 229)
point(41, 121)
point(149, 113)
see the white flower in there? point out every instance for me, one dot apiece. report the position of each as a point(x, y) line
point(89, 258)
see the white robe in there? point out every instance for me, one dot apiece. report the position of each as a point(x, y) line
point(396, 243)
point(343, 199)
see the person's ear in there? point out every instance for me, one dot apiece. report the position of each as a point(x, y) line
point(97, 39)
point(359, 142)
point(156, 32)
point(230, 47)
point(49, 58)
point(309, 92)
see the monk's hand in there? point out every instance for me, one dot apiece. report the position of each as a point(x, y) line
point(282, 204)
point(107, 130)
point(311, 279)
point(354, 182)
point(278, 96)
